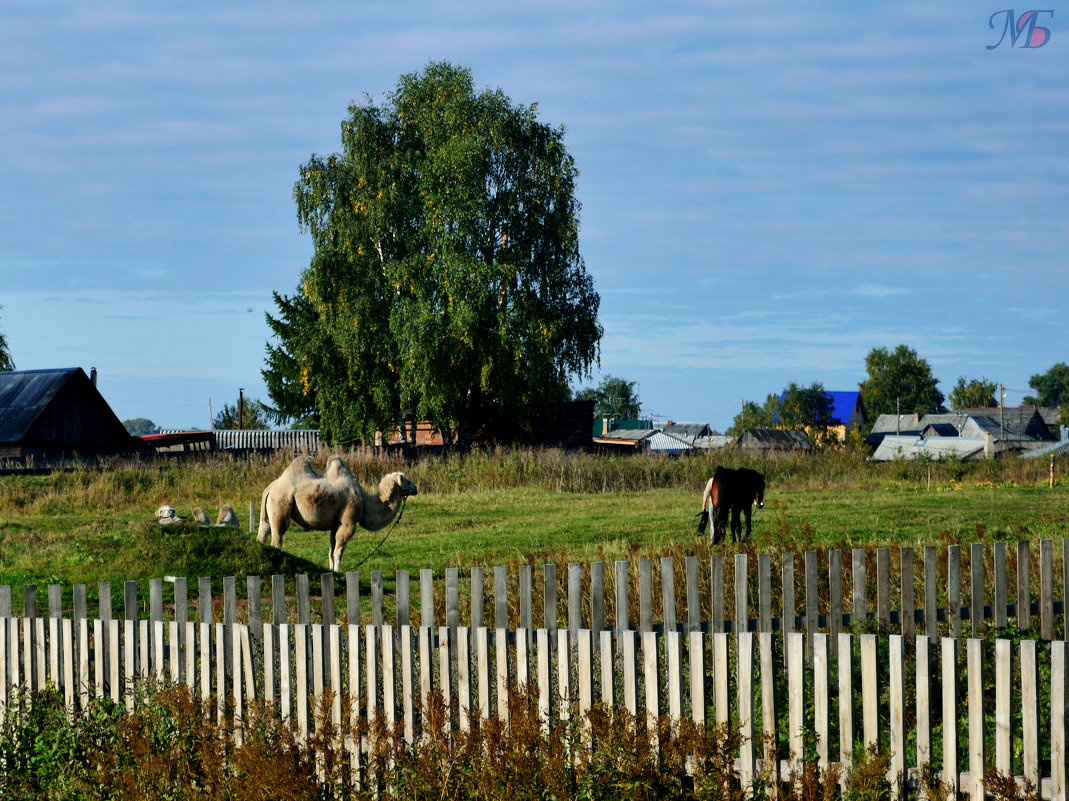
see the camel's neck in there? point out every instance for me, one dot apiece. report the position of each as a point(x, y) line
point(381, 509)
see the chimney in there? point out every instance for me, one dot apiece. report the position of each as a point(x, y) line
point(989, 445)
point(93, 376)
point(605, 426)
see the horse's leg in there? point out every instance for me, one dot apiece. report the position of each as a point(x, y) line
point(736, 525)
point(749, 528)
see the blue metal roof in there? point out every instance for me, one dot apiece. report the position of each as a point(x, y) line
point(842, 405)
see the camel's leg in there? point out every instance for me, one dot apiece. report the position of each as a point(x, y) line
point(339, 538)
point(330, 553)
point(280, 521)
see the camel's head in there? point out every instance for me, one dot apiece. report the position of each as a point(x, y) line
point(399, 482)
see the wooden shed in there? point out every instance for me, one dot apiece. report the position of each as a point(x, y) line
point(774, 439)
point(54, 414)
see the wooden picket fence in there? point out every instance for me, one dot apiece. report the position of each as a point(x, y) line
point(821, 683)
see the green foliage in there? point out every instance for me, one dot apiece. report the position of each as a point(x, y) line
point(6, 362)
point(755, 416)
point(974, 394)
point(292, 362)
point(615, 398)
point(140, 426)
point(899, 382)
point(446, 283)
point(1052, 389)
point(248, 414)
point(808, 408)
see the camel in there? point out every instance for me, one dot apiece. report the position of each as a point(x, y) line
point(333, 502)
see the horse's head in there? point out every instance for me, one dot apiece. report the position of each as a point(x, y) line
point(759, 491)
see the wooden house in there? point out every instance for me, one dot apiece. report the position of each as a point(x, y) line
point(55, 414)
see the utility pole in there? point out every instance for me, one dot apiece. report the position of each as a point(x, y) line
point(241, 408)
point(1002, 411)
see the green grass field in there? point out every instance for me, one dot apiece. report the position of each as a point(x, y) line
point(511, 507)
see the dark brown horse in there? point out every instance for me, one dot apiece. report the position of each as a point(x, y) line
point(735, 492)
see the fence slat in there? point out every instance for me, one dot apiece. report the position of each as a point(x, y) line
point(796, 696)
point(1046, 589)
point(846, 698)
point(951, 777)
point(747, 764)
point(821, 699)
point(883, 588)
point(897, 715)
point(742, 597)
point(924, 701)
point(1001, 586)
point(1003, 696)
point(976, 588)
point(1059, 734)
point(1024, 591)
point(1030, 710)
point(975, 659)
point(909, 605)
point(696, 659)
point(954, 589)
point(767, 668)
point(870, 691)
point(931, 589)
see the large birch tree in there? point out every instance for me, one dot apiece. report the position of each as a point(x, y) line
point(446, 282)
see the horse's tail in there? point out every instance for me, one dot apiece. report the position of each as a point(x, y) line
point(703, 515)
point(703, 521)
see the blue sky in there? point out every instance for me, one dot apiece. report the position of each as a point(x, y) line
point(769, 189)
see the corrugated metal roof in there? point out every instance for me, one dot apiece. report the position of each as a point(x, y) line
point(910, 447)
point(628, 434)
point(660, 442)
point(265, 439)
point(24, 395)
point(687, 431)
point(775, 438)
point(1053, 449)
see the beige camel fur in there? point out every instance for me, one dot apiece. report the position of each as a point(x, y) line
point(333, 502)
point(227, 517)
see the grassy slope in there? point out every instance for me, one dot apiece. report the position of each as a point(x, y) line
point(57, 538)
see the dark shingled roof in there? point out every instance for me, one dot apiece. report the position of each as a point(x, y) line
point(24, 395)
